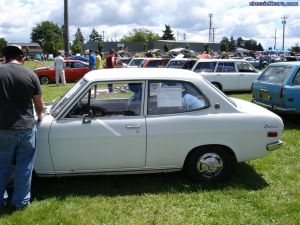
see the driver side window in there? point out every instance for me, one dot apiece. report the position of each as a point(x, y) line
point(110, 99)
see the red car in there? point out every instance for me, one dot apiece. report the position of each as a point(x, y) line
point(74, 71)
point(154, 62)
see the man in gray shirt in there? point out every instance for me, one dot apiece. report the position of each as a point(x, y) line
point(20, 91)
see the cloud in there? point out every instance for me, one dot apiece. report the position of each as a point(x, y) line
point(116, 18)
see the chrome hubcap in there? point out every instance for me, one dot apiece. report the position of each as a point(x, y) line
point(210, 164)
point(44, 80)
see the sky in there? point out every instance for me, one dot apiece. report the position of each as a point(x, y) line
point(187, 18)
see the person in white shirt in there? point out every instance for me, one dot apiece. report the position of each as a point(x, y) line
point(59, 69)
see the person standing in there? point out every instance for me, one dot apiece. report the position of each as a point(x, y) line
point(92, 60)
point(20, 91)
point(59, 69)
point(110, 63)
point(98, 60)
point(111, 59)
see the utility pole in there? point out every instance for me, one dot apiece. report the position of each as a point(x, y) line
point(66, 28)
point(275, 38)
point(213, 34)
point(284, 18)
point(210, 29)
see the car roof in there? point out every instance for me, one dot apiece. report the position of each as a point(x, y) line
point(184, 59)
point(291, 63)
point(74, 60)
point(140, 74)
point(221, 60)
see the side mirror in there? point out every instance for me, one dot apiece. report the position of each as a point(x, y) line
point(87, 117)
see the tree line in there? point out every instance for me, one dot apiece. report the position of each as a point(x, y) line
point(51, 39)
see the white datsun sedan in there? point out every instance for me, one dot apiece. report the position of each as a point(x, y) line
point(136, 120)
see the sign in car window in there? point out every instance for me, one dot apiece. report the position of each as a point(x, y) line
point(169, 96)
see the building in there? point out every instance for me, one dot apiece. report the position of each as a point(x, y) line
point(30, 49)
point(160, 44)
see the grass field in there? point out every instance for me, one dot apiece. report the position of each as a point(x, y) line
point(263, 191)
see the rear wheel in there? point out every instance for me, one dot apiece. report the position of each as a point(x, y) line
point(217, 85)
point(209, 164)
point(44, 80)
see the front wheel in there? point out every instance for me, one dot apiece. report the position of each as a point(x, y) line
point(44, 80)
point(209, 164)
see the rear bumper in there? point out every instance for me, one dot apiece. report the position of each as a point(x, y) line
point(274, 146)
point(274, 107)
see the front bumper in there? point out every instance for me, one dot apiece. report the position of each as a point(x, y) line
point(274, 107)
point(274, 145)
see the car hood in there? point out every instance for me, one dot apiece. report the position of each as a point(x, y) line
point(44, 66)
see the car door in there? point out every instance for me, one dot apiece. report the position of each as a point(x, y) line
point(227, 76)
point(173, 109)
point(246, 75)
point(79, 69)
point(292, 90)
point(108, 139)
point(68, 71)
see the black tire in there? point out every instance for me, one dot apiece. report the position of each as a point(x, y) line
point(44, 80)
point(209, 164)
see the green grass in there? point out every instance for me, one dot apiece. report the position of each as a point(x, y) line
point(263, 191)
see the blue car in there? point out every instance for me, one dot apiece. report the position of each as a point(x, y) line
point(278, 87)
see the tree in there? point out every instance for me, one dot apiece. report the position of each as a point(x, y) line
point(259, 47)
point(206, 47)
point(3, 43)
point(95, 36)
point(78, 36)
point(224, 44)
point(166, 47)
point(296, 48)
point(232, 45)
point(168, 33)
point(140, 35)
point(240, 42)
point(251, 45)
point(77, 46)
point(49, 36)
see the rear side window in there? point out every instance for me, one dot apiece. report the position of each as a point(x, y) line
point(205, 67)
point(245, 67)
point(154, 63)
point(275, 74)
point(226, 67)
point(169, 97)
point(296, 80)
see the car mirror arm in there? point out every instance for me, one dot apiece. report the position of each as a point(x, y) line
point(87, 117)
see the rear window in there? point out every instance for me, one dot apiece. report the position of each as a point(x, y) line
point(275, 74)
point(176, 64)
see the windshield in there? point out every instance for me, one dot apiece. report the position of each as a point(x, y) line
point(220, 92)
point(61, 102)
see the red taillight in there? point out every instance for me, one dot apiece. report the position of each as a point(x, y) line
point(272, 134)
point(281, 94)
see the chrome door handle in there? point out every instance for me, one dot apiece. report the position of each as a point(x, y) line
point(133, 126)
